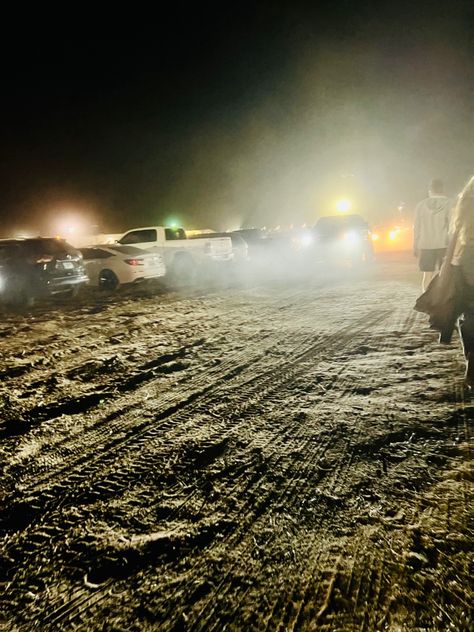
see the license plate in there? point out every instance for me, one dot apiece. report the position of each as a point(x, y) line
point(68, 265)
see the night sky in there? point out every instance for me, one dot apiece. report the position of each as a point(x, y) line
point(256, 117)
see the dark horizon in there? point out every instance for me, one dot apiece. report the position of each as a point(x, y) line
point(262, 117)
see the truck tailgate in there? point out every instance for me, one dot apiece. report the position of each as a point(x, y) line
point(219, 247)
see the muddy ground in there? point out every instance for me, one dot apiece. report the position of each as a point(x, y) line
point(266, 456)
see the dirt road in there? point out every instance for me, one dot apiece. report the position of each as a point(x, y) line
point(264, 457)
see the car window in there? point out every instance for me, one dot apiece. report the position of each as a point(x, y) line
point(175, 233)
point(139, 236)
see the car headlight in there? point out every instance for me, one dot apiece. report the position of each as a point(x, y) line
point(393, 234)
point(306, 240)
point(351, 237)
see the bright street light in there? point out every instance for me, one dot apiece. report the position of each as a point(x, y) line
point(343, 205)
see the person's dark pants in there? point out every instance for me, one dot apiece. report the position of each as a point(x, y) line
point(466, 326)
point(466, 323)
point(431, 260)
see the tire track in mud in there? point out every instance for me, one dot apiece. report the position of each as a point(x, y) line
point(365, 583)
point(292, 486)
point(88, 596)
point(370, 605)
point(328, 505)
point(85, 329)
point(116, 420)
point(227, 371)
point(148, 430)
point(398, 572)
point(84, 601)
point(304, 353)
point(293, 481)
point(109, 390)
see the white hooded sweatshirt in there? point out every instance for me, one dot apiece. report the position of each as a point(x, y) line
point(431, 226)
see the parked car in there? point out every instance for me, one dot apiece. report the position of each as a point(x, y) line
point(38, 267)
point(342, 237)
point(112, 265)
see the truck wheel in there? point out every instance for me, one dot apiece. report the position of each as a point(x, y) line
point(108, 281)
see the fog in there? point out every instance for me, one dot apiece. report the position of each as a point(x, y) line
point(273, 131)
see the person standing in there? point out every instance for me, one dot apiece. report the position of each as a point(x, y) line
point(463, 225)
point(431, 226)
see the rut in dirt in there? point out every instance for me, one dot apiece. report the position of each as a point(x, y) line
point(267, 501)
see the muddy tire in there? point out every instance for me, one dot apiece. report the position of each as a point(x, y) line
point(108, 281)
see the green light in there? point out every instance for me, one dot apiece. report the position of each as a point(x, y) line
point(171, 222)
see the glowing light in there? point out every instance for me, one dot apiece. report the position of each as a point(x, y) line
point(70, 225)
point(351, 237)
point(172, 222)
point(306, 240)
point(393, 234)
point(375, 236)
point(343, 205)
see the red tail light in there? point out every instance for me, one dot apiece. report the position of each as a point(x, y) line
point(134, 262)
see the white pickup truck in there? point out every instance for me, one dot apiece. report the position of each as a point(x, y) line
point(182, 256)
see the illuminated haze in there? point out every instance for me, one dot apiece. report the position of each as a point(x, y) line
point(258, 121)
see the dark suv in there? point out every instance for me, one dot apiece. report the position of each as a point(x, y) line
point(37, 267)
point(341, 237)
